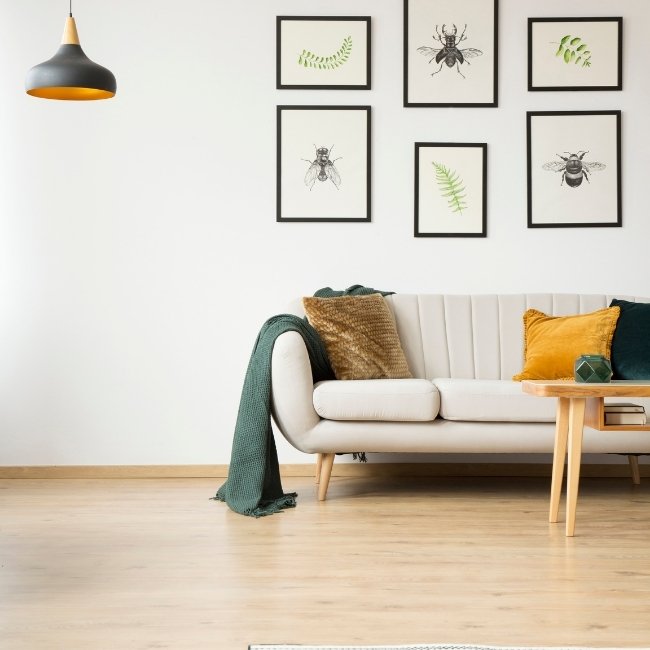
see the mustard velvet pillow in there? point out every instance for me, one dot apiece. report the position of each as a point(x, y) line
point(553, 343)
point(360, 336)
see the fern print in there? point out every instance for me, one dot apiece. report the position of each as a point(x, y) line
point(308, 59)
point(572, 50)
point(451, 188)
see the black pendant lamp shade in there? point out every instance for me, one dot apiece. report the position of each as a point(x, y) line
point(70, 74)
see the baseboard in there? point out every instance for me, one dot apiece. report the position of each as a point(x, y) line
point(351, 470)
point(114, 471)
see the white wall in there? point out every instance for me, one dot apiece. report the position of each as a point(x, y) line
point(139, 252)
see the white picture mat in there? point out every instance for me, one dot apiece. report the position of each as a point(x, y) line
point(434, 213)
point(590, 202)
point(346, 131)
point(323, 38)
point(448, 86)
point(551, 70)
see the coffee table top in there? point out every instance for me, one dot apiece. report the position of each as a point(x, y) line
point(569, 388)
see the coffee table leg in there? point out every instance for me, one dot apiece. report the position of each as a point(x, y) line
point(559, 455)
point(576, 425)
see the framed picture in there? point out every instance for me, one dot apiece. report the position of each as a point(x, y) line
point(575, 53)
point(450, 53)
point(574, 169)
point(323, 52)
point(450, 189)
point(323, 160)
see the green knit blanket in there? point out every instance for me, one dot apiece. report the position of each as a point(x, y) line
point(253, 487)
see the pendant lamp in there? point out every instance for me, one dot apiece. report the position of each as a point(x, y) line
point(70, 74)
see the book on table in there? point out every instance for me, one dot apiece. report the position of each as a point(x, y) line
point(625, 413)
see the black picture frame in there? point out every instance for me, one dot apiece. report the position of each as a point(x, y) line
point(356, 127)
point(580, 75)
point(435, 202)
point(572, 203)
point(316, 64)
point(429, 96)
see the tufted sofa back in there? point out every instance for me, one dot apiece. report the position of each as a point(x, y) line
point(478, 336)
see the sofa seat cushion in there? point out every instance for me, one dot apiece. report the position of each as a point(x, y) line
point(491, 400)
point(388, 400)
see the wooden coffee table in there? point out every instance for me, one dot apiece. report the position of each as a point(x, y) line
point(577, 405)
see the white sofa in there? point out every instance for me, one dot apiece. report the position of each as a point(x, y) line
point(462, 351)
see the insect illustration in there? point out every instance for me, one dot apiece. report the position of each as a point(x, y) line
point(449, 54)
point(573, 168)
point(322, 168)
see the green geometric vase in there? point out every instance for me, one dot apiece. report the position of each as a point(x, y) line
point(592, 369)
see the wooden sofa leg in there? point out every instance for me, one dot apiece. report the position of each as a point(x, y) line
point(319, 465)
point(326, 472)
point(634, 469)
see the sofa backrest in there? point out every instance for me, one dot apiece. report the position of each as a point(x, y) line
point(477, 336)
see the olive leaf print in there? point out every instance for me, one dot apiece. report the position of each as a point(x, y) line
point(573, 50)
point(451, 188)
point(308, 59)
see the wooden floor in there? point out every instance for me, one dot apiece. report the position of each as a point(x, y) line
point(112, 564)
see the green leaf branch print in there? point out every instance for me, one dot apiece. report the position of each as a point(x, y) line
point(451, 188)
point(572, 50)
point(308, 59)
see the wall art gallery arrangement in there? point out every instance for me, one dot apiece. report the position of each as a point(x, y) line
point(450, 60)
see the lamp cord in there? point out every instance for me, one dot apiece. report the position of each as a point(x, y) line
point(70, 8)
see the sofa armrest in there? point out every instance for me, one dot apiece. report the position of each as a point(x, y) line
point(292, 389)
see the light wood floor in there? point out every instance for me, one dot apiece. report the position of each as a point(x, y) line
point(112, 564)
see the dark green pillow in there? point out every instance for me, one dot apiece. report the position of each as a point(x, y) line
point(631, 344)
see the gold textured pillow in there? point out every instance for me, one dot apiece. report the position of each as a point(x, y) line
point(553, 343)
point(360, 336)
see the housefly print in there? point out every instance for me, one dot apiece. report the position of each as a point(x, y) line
point(449, 54)
point(322, 168)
